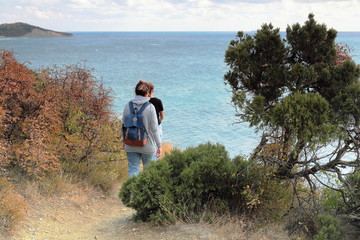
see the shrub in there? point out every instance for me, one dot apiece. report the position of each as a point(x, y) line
point(302, 220)
point(347, 201)
point(329, 228)
point(354, 181)
point(49, 116)
point(184, 183)
point(332, 200)
point(83, 107)
point(28, 120)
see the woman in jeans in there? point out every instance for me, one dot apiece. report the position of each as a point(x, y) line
point(135, 154)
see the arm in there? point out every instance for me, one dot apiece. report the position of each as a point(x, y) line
point(162, 115)
point(152, 124)
point(125, 111)
point(161, 111)
point(157, 136)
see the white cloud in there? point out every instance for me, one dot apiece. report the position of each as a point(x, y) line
point(154, 15)
point(87, 4)
point(39, 13)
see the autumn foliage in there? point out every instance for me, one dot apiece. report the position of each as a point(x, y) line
point(343, 52)
point(52, 115)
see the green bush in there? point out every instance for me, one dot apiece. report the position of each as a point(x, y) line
point(329, 228)
point(354, 181)
point(334, 200)
point(184, 183)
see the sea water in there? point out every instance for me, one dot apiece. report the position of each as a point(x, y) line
point(187, 69)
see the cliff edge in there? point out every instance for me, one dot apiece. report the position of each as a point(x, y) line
point(28, 31)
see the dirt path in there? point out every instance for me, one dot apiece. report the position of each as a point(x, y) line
point(90, 215)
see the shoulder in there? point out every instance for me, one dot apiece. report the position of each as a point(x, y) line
point(155, 100)
point(126, 107)
point(149, 107)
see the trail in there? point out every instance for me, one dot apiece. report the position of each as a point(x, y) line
point(90, 215)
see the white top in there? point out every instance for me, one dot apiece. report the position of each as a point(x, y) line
point(150, 123)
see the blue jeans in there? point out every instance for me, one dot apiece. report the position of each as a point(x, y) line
point(134, 162)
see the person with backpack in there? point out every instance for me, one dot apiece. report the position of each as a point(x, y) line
point(140, 130)
point(159, 111)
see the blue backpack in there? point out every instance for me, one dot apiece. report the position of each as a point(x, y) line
point(134, 132)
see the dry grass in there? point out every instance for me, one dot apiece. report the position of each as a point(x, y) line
point(12, 207)
point(238, 228)
point(71, 178)
point(103, 175)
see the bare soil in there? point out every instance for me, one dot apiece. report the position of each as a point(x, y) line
point(86, 215)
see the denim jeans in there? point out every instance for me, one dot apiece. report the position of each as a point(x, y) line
point(134, 162)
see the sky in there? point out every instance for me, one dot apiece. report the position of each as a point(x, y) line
point(178, 15)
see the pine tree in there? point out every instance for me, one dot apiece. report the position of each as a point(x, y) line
point(302, 93)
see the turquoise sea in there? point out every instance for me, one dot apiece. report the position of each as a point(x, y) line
point(187, 69)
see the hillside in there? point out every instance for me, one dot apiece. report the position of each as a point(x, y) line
point(26, 30)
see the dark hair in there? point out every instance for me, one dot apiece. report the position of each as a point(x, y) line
point(142, 88)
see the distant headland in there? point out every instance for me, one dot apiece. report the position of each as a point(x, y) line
point(24, 30)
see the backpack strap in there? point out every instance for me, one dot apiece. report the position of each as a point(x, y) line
point(143, 107)
point(131, 107)
point(132, 110)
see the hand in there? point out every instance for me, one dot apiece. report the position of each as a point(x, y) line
point(158, 152)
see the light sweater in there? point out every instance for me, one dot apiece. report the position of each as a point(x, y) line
point(150, 123)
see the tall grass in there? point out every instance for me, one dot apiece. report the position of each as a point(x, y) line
point(102, 175)
point(12, 206)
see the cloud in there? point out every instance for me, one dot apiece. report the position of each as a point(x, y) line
point(40, 13)
point(94, 4)
point(178, 15)
point(319, 1)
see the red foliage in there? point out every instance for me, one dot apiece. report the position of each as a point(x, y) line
point(84, 108)
point(342, 53)
point(26, 119)
point(51, 115)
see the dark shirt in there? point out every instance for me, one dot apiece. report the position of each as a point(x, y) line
point(158, 107)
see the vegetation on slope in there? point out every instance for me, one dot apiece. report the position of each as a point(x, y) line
point(23, 29)
point(55, 122)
